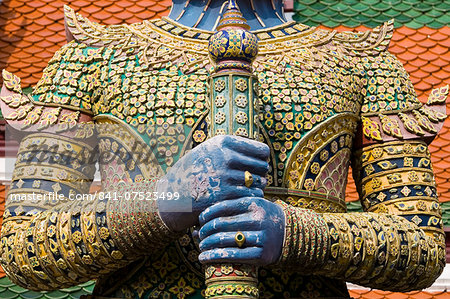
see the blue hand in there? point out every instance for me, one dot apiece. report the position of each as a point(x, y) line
point(262, 223)
point(210, 173)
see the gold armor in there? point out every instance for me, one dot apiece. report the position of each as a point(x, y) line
point(327, 98)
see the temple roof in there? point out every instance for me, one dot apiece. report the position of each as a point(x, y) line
point(413, 14)
point(32, 30)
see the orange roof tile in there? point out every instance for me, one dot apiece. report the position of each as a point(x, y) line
point(23, 24)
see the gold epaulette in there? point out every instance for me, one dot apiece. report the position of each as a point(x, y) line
point(370, 42)
point(156, 42)
point(25, 114)
point(418, 120)
point(93, 34)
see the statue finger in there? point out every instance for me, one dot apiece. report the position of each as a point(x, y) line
point(242, 162)
point(232, 239)
point(225, 208)
point(229, 224)
point(247, 147)
point(248, 255)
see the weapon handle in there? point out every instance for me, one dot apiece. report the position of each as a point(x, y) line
point(231, 281)
point(233, 111)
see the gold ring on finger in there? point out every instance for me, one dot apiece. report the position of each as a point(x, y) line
point(248, 179)
point(239, 238)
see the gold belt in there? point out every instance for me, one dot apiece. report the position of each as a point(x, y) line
point(317, 201)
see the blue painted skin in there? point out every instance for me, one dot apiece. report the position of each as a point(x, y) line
point(195, 8)
point(212, 172)
point(261, 221)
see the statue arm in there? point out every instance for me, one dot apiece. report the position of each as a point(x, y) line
point(55, 234)
point(398, 242)
point(49, 239)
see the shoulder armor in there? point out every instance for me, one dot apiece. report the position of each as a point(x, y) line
point(369, 42)
point(156, 42)
point(418, 121)
point(93, 34)
point(304, 46)
point(27, 115)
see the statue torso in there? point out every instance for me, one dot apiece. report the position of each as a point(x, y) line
point(151, 81)
point(158, 88)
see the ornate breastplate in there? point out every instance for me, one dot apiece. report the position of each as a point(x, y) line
point(316, 170)
point(308, 82)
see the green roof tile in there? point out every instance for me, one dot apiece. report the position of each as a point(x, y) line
point(352, 23)
point(321, 18)
point(434, 13)
point(380, 6)
point(402, 7)
point(330, 2)
point(361, 19)
point(32, 295)
point(300, 7)
point(432, 2)
point(414, 25)
point(446, 213)
point(340, 7)
point(329, 13)
point(5, 283)
point(444, 19)
point(370, 13)
point(318, 6)
point(391, 13)
point(7, 294)
point(330, 23)
point(401, 19)
point(424, 19)
point(360, 7)
point(308, 11)
point(423, 7)
point(350, 2)
point(381, 19)
point(309, 2)
point(442, 7)
point(16, 289)
point(414, 14)
point(9, 290)
point(351, 13)
point(354, 206)
point(340, 18)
